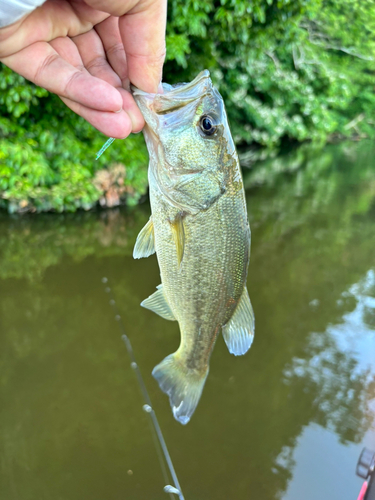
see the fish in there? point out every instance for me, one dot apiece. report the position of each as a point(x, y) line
point(199, 230)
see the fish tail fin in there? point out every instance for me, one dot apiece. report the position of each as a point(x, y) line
point(183, 385)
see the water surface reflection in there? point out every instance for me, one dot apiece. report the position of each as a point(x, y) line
point(274, 424)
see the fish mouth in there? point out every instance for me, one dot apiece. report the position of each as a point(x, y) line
point(173, 96)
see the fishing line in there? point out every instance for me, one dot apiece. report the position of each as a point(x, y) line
point(103, 148)
point(160, 444)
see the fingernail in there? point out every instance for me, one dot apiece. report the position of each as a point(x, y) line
point(119, 111)
point(126, 84)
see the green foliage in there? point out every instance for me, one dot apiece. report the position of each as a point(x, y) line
point(47, 153)
point(288, 71)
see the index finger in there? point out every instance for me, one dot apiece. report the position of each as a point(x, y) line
point(143, 35)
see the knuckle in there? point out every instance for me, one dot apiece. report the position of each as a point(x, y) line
point(67, 90)
point(40, 70)
point(155, 59)
point(117, 58)
point(115, 49)
point(96, 63)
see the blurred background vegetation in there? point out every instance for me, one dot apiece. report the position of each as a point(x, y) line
point(335, 186)
point(289, 72)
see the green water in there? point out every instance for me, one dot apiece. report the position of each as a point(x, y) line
point(286, 421)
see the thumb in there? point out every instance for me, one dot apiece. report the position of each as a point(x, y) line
point(143, 34)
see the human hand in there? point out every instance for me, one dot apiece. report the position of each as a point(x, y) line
point(87, 52)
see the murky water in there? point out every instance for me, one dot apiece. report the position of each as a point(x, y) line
point(286, 421)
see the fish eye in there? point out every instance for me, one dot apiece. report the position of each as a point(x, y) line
point(207, 125)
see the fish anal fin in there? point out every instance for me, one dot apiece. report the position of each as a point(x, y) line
point(183, 386)
point(238, 333)
point(158, 303)
point(145, 244)
point(178, 232)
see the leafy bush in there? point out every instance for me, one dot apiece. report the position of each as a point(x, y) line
point(288, 71)
point(47, 153)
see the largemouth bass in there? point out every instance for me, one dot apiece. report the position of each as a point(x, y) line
point(199, 230)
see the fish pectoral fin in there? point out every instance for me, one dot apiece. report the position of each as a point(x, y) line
point(238, 333)
point(145, 244)
point(158, 303)
point(178, 232)
point(183, 385)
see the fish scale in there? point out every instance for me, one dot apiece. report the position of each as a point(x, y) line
point(200, 232)
point(216, 259)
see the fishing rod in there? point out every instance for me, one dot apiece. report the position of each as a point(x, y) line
point(366, 470)
point(159, 441)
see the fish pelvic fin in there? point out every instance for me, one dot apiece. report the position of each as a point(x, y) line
point(238, 333)
point(183, 386)
point(145, 244)
point(157, 303)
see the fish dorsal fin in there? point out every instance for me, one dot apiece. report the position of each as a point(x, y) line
point(178, 232)
point(145, 244)
point(238, 333)
point(157, 302)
